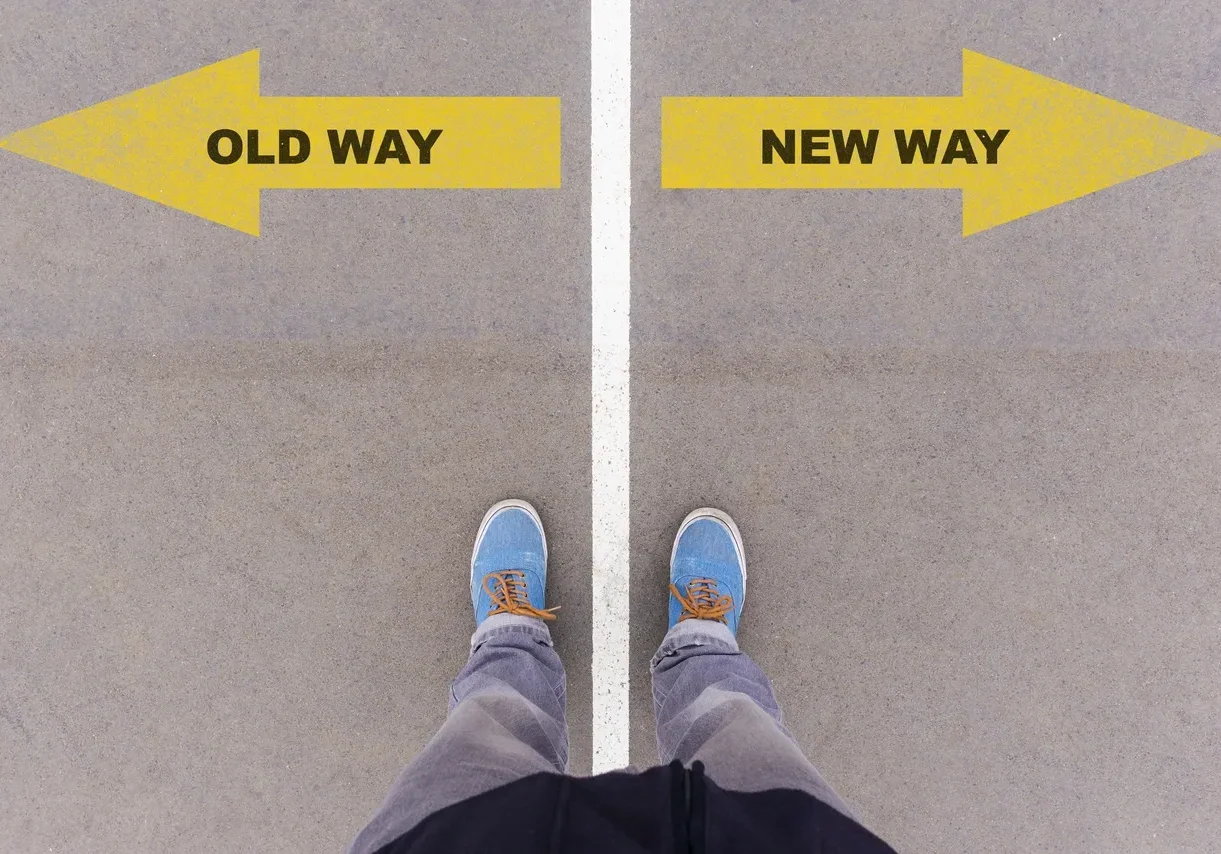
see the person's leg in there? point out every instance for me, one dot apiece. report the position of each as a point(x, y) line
point(506, 707)
point(713, 703)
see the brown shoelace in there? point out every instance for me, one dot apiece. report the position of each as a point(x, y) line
point(509, 595)
point(703, 601)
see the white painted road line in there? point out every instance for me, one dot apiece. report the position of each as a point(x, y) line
point(610, 218)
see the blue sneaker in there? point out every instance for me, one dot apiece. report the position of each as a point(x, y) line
point(707, 569)
point(509, 563)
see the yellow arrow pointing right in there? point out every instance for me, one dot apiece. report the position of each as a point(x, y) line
point(1016, 142)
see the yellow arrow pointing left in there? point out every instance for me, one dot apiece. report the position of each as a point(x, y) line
point(206, 142)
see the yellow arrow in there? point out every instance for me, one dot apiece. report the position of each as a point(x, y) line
point(1061, 142)
point(170, 142)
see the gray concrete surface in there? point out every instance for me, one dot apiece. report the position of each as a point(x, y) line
point(239, 477)
point(977, 479)
point(234, 576)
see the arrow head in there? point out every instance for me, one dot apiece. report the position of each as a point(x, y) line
point(153, 142)
point(1064, 142)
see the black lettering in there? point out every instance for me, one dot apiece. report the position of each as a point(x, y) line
point(392, 146)
point(959, 146)
point(855, 141)
point(286, 145)
point(992, 144)
point(252, 149)
point(809, 146)
point(235, 146)
point(772, 145)
point(360, 147)
point(927, 145)
point(425, 145)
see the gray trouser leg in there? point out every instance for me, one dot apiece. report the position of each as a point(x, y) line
point(714, 704)
point(506, 721)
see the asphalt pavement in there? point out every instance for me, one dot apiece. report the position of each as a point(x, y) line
point(979, 479)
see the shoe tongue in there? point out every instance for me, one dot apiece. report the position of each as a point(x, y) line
point(694, 574)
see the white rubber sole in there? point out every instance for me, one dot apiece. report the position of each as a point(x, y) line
point(520, 504)
point(720, 516)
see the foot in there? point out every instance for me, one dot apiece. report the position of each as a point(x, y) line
point(509, 564)
point(707, 570)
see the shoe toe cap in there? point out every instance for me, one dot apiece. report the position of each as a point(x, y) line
point(706, 547)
